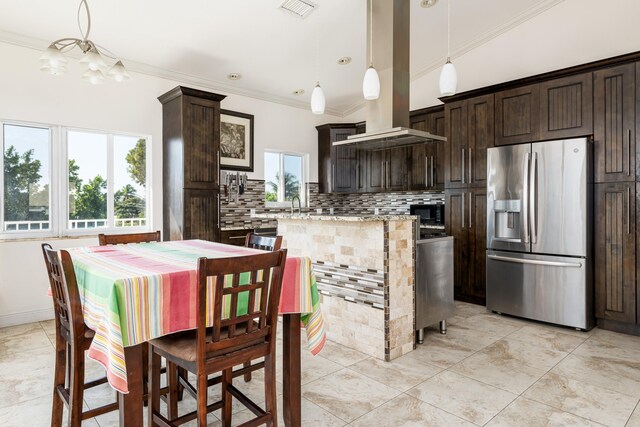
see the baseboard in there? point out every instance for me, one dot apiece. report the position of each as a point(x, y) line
point(623, 328)
point(26, 317)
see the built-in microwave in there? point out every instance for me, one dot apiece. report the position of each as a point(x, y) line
point(429, 214)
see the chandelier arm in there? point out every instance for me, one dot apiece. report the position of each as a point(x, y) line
point(106, 52)
point(85, 35)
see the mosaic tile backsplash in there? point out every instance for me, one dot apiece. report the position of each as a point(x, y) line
point(236, 213)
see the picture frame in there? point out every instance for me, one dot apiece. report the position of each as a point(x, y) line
point(236, 141)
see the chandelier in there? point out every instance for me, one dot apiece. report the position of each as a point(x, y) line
point(54, 62)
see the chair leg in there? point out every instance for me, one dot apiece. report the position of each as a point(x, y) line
point(145, 372)
point(182, 373)
point(59, 378)
point(76, 391)
point(202, 400)
point(172, 395)
point(247, 376)
point(154, 385)
point(227, 378)
point(270, 398)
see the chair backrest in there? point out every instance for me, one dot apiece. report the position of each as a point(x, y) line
point(119, 239)
point(267, 243)
point(255, 280)
point(64, 291)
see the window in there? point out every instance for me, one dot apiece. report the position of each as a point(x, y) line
point(284, 176)
point(92, 183)
point(26, 179)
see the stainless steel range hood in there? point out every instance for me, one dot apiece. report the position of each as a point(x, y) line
point(388, 116)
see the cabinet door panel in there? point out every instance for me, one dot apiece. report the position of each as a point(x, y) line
point(375, 170)
point(418, 167)
point(396, 169)
point(201, 215)
point(344, 169)
point(566, 107)
point(457, 144)
point(201, 143)
point(456, 213)
point(614, 124)
point(517, 115)
point(478, 244)
point(438, 128)
point(615, 256)
point(481, 137)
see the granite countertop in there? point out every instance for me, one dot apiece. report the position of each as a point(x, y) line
point(343, 218)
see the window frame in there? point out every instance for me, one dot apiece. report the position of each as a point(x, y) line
point(303, 193)
point(59, 184)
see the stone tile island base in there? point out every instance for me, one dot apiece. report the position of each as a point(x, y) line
point(365, 267)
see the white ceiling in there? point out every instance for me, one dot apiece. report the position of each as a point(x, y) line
point(201, 41)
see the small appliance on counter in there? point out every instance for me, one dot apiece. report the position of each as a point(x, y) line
point(431, 223)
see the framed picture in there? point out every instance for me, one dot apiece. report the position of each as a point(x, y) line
point(236, 141)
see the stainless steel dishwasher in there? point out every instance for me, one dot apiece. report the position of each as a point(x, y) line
point(434, 283)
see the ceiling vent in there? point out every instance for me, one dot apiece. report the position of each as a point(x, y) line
point(299, 8)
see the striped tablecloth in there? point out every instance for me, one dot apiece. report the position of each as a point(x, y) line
point(134, 293)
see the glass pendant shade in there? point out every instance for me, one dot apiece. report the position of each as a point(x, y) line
point(94, 77)
point(54, 71)
point(317, 100)
point(448, 79)
point(94, 60)
point(53, 58)
point(371, 84)
point(119, 73)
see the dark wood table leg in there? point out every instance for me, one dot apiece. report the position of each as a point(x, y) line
point(130, 405)
point(291, 370)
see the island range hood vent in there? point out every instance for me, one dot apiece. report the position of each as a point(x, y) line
point(387, 117)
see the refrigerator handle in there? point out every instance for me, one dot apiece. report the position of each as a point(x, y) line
point(524, 211)
point(535, 261)
point(532, 197)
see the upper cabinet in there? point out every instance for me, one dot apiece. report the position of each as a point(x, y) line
point(469, 132)
point(426, 161)
point(336, 165)
point(615, 124)
point(386, 170)
point(554, 109)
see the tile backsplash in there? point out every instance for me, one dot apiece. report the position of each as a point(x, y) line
point(236, 211)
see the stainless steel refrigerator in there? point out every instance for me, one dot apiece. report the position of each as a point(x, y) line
point(539, 222)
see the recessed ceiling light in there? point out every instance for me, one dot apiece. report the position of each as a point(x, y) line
point(298, 92)
point(234, 76)
point(428, 3)
point(344, 60)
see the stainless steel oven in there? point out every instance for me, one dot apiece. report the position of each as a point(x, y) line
point(429, 214)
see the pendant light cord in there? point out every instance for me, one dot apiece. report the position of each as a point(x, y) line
point(371, 33)
point(318, 47)
point(448, 30)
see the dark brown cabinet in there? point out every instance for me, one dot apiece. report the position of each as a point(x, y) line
point(386, 170)
point(566, 107)
point(469, 132)
point(191, 164)
point(517, 115)
point(466, 214)
point(235, 237)
point(336, 165)
point(615, 124)
point(426, 161)
point(615, 249)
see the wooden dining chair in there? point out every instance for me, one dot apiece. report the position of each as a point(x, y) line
point(120, 239)
point(267, 243)
point(73, 338)
point(229, 341)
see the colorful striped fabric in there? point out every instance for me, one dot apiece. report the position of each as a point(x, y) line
point(133, 293)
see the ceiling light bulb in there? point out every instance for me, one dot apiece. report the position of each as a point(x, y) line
point(93, 76)
point(448, 79)
point(119, 73)
point(94, 60)
point(317, 100)
point(371, 84)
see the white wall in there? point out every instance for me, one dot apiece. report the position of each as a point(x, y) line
point(27, 94)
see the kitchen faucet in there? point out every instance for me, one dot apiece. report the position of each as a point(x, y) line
point(299, 204)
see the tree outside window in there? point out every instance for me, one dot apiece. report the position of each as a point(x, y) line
point(283, 176)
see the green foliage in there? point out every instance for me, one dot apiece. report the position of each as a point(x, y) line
point(291, 187)
point(271, 197)
point(137, 160)
point(21, 176)
point(128, 204)
point(91, 200)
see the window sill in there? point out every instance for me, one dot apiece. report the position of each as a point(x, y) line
point(69, 235)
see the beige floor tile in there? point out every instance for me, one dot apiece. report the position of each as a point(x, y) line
point(407, 411)
point(442, 353)
point(502, 372)
point(524, 352)
point(312, 367)
point(464, 397)
point(26, 375)
point(340, 354)
point(401, 373)
point(533, 414)
point(493, 323)
point(49, 327)
point(16, 339)
point(608, 351)
point(623, 377)
point(548, 338)
point(19, 330)
point(634, 421)
point(34, 412)
point(582, 399)
point(464, 309)
point(616, 339)
point(348, 394)
point(465, 336)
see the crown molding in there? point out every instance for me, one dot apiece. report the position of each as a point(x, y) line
point(182, 78)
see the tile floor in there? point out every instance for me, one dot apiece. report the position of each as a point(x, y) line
point(488, 370)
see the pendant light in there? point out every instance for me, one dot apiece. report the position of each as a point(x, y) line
point(448, 75)
point(318, 100)
point(371, 82)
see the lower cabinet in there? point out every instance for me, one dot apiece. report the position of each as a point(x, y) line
point(234, 237)
point(615, 252)
point(466, 221)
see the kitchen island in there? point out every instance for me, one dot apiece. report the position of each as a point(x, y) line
point(365, 268)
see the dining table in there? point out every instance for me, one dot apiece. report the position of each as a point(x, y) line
point(133, 293)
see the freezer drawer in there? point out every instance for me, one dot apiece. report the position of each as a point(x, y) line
point(551, 289)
